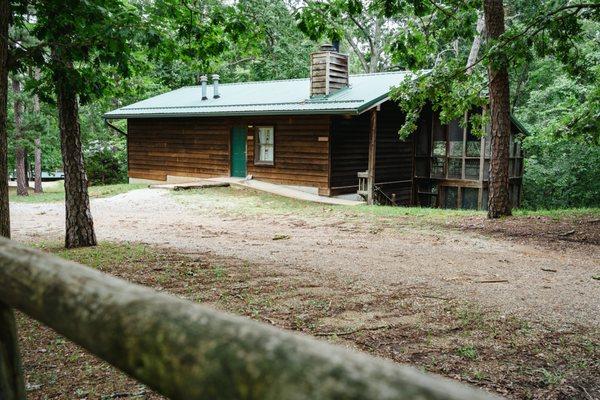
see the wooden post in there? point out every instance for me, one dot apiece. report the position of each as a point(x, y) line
point(12, 386)
point(372, 156)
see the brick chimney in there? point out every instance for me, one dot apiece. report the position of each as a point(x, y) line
point(328, 71)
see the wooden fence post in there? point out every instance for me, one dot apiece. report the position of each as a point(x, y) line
point(372, 156)
point(12, 386)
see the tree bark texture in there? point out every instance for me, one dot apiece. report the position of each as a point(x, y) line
point(79, 224)
point(12, 386)
point(22, 184)
point(476, 45)
point(499, 200)
point(4, 210)
point(37, 143)
point(188, 351)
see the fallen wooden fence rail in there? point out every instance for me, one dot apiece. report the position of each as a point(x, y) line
point(187, 351)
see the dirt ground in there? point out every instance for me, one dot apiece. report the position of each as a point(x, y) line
point(511, 306)
point(533, 268)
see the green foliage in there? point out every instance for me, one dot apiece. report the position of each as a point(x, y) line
point(82, 44)
point(106, 164)
point(552, 101)
point(439, 36)
point(560, 174)
point(468, 352)
point(358, 25)
point(279, 50)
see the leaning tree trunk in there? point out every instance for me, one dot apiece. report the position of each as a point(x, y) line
point(499, 201)
point(19, 149)
point(4, 211)
point(37, 143)
point(79, 224)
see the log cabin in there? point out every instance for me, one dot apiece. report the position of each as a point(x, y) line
point(331, 134)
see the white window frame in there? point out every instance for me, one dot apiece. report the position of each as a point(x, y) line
point(258, 145)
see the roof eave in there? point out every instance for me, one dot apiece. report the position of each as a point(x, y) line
point(373, 103)
point(233, 113)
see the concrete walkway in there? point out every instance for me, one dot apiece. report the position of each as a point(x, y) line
point(286, 191)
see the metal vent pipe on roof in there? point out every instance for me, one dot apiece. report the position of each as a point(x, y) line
point(215, 79)
point(203, 82)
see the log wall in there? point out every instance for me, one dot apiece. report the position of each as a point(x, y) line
point(194, 147)
point(301, 151)
point(199, 147)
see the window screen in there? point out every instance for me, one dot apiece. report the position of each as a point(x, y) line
point(455, 139)
point(265, 153)
point(451, 196)
point(469, 198)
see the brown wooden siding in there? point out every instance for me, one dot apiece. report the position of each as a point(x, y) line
point(349, 152)
point(394, 157)
point(199, 147)
point(300, 157)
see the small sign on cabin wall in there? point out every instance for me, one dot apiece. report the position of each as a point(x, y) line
point(323, 139)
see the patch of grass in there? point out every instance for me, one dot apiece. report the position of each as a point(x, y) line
point(249, 201)
point(549, 378)
point(478, 375)
point(56, 192)
point(429, 213)
point(559, 214)
point(246, 201)
point(219, 272)
point(103, 255)
point(468, 352)
point(470, 317)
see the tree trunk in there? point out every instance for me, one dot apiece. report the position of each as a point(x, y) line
point(476, 45)
point(374, 64)
point(499, 201)
point(4, 210)
point(79, 223)
point(11, 377)
point(19, 149)
point(37, 143)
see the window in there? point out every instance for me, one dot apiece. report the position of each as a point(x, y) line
point(264, 152)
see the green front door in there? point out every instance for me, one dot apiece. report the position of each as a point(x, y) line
point(238, 152)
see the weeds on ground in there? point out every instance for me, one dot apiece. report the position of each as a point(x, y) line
point(510, 356)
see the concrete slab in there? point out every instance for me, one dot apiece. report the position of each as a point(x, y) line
point(286, 191)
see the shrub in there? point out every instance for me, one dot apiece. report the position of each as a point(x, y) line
point(106, 165)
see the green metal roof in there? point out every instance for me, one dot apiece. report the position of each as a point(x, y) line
point(268, 97)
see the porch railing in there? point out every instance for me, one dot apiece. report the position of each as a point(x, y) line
point(185, 350)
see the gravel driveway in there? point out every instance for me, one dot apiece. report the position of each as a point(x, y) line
point(540, 283)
